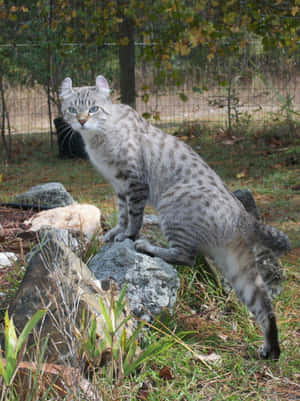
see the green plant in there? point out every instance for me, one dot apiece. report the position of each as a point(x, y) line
point(122, 351)
point(14, 344)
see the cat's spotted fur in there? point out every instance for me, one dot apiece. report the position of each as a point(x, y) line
point(197, 213)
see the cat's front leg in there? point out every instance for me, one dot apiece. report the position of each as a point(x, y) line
point(136, 201)
point(122, 224)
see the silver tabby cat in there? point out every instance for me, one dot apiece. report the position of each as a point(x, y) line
point(197, 213)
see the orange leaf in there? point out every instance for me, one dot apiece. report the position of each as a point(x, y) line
point(166, 374)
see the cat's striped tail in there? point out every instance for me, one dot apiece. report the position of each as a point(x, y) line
point(273, 238)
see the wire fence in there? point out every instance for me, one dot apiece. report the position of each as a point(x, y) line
point(225, 91)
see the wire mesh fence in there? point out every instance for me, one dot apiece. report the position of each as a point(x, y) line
point(225, 91)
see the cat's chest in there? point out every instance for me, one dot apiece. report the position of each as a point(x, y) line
point(108, 168)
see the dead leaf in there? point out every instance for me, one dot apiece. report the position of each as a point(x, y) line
point(143, 392)
point(166, 374)
point(63, 380)
point(211, 358)
point(242, 174)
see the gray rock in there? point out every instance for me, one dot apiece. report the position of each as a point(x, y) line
point(56, 279)
point(61, 235)
point(52, 194)
point(152, 283)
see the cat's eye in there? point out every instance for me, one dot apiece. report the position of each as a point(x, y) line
point(93, 109)
point(72, 110)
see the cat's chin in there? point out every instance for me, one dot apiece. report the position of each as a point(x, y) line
point(76, 126)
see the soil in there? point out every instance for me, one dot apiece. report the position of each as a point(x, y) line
point(11, 228)
point(12, 239)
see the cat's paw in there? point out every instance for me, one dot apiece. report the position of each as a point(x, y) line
point(112, 234)
point(121, 237)
point(124, 235)
point(273, 354)
point(143, 245)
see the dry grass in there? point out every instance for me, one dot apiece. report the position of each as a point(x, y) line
point(216, 322)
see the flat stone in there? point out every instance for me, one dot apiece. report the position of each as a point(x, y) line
point(52, 195)
point(77, 218)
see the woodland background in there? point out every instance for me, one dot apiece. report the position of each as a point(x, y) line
point(177, 61)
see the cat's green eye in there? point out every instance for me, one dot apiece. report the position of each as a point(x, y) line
point(93, 109)
point(72, 110)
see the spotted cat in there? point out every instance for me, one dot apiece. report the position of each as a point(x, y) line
point(197, 213)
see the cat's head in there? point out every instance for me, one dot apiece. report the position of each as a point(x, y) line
point(87, 107)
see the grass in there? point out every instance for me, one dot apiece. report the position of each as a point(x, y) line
point(218, 323)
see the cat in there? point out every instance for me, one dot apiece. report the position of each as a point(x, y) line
point(197, 213)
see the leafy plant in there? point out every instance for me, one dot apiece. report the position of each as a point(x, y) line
point(125, 356)
point(13, 344)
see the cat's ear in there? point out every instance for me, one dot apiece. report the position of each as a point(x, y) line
point(102, 85)
point(66, 88)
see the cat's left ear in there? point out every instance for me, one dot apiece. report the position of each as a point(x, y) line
point(102, 85)
point(66, 88)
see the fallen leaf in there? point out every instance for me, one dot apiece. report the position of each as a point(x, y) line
point(211, 358)
point(143, 392)
point(242, 174)
point(166, 374)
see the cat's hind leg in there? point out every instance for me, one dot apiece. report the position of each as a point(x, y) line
point(239, 266)
point(174, 254)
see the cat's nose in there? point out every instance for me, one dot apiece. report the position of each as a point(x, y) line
point(82, 121)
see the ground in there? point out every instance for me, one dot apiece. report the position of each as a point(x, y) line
point(268, 163)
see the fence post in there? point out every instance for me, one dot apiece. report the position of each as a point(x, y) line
point(127, 59)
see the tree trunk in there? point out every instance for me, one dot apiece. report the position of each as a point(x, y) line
point(127, 60)
point(4, 117)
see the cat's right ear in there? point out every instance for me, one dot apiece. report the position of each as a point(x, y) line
point(66, 88)
point(102, 85)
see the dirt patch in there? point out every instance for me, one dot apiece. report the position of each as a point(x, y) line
point(11, 227)
point(11, 240)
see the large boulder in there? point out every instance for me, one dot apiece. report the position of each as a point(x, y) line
point(56, 279)
point(152, 284)
point(50, 195)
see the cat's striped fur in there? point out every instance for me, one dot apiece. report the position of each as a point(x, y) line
point(197, 213)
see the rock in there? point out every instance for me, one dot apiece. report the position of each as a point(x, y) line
point(52, 194)
point(7, 259)
point(152, 283)
point(246, 198)
point(59, 234)
point(70, 143)
point(79, 219)
point(58, 280)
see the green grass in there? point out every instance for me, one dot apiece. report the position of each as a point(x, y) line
point(219, 323)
